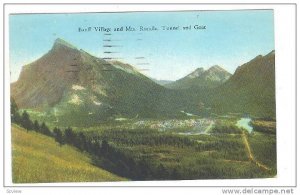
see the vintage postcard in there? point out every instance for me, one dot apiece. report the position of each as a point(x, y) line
point(142, 96)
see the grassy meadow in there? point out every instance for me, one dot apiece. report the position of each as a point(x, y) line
point(39, 159)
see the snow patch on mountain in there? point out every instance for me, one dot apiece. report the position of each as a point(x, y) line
point(75, 99)
point(97, 103)
point(77, 87)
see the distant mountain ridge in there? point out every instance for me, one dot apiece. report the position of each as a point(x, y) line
point(161, 82)
point(200, 78)
point(71, 87)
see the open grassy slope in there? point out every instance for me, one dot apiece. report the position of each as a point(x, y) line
point(37, 158)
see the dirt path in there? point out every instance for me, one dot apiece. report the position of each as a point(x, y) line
point(250, 154)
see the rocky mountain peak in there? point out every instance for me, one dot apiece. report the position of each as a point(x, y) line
point(217, 68)
point(210, 78)
point(62, 43)
point(272, 53)
point(198, 72)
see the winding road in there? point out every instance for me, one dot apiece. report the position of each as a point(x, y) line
point(250, 154)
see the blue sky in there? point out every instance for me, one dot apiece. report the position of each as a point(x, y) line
point(230, 39)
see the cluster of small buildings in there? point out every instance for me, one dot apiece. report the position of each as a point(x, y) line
point(194, 124)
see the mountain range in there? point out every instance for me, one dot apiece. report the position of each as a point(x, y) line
point(67, 84)
point(210, 78)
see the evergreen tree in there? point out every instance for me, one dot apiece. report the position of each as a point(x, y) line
point(14, 112)
point(13, 106)
point(175, 174)
point(105, 147)
point(36, 126)
point(44, 129)
point(82, 142)
point(162, 172)
point(97, 148)
point(26, 122)
point(69, 136)
point(58, 136)
point(143, 169)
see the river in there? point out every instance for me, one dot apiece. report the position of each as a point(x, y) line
point(245, 123)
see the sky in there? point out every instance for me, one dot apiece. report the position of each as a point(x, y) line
point(230, 39)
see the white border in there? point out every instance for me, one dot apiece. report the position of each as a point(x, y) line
point(285, 90)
